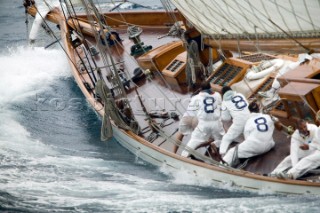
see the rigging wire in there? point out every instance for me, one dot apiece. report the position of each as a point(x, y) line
point(158, 71)
point(61, 46)
point(164, 134)
point(107, 60)
point(86, 45)
point(290, 37)
point(232, 24)
point(93, 80)
point(253, 12)
point(159, 75)
point(27, 24)
point(253, 8)
point(294, 15)
point(120, 44)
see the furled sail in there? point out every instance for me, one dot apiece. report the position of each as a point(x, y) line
point(252, 19)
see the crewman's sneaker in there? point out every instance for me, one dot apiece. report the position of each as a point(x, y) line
point(271, 93)
point(282, 175)
point(265, 94)
point(290, 176)
point(273, 98)
point(271, 175)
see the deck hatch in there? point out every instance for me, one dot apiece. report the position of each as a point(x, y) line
point(257, 57)
point(225, 74)
point(266, 85)
point(175, 64)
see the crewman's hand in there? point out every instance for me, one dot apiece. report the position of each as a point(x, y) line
point(304, 147)
point(290, 130)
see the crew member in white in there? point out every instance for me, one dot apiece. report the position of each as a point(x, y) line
point(207, 105)
point(235, 107)
point(43, 8)
point(300, 149)
point(187, 124)
point(258, 134)
point(288, 66)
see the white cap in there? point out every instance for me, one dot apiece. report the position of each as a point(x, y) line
point(303, 57)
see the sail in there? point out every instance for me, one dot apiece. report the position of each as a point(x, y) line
point(252, 16)
point(252, 19)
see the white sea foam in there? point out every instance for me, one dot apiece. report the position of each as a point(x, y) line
point(188, 178)
point(26, 71)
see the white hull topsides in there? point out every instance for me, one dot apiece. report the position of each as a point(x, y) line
point(219, 177)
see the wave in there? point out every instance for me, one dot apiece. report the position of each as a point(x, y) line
point(27, 71)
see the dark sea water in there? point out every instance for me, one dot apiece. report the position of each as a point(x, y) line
point(52, 159)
